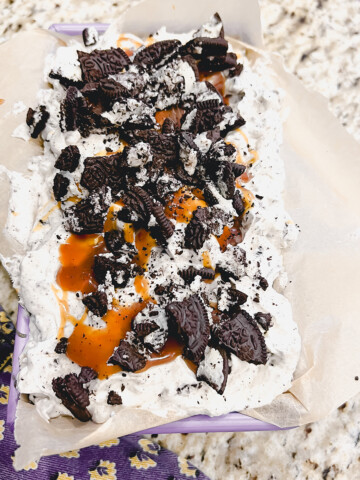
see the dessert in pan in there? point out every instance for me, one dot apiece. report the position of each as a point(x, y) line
point(149, 273)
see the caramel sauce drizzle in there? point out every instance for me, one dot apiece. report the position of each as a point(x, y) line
point(183, 204)
point(77, 259)
point(144, 243)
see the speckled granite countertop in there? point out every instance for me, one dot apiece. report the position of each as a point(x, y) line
point(320, 42)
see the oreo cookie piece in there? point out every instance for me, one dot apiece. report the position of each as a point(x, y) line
point(241, 336)
point(134, 79)
point(90, 36)
point(224, 180)
point(131, 114)
point(205, 221)
point(69, 110)
point(62, 344)
point(68, 159)
point(238, 169)
point(60, 186)
point(230, 122)
point(209, 196)
point(168, 126)
point(102, 171)
point(112, 90)
point(88, 216)
point(235, 72)
point(157, 54)
point(97, 303)
point(151, 326)
point(238, 298)
point(264, 284)
point(119, 271)
point(64, 81)
point(230, 300)
point(238, 203)
point(222, 151)
point(193, 64)
point(73, 396)
point(189, 152)
point(87, 374)
point(91, 91)
point(102, 63)
point(190, 319)
point(200, 47)
point(205, 116)
point(127, 357)
point(214, 368)
point(36, 120)
point(115, 243)
point(212, 28)
point(144, 328)
point(114, 398)
point(218, 64)
point(166, 226)
point(264, 320)
point(140, 202)
point(190, 273)
point(162, 146)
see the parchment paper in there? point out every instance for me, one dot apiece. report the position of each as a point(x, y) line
point(323, 169)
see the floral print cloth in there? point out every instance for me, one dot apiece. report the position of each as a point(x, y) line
point(127, 458)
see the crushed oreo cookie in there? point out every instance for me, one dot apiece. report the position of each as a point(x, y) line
point(68, 159)
point(242, 337)
point(88, 215)
point(264, 320)
point(119, 271)
point(90, 36)
point(151, 327)
point(166, 226)
point(86, 375)
point(190, 273)
point(73, 396)
point(202, 47)
point(114, 398)
point(205, 221)
point(36, 120)
point(115, 243)
point(97, 303)
point(127, 357)
point(157, 54)
point(102, 63)
point(238, 203)
point(60, 186)
point(214, 368)
point(140, 202)
point(61, 346)
point(100, 171)
point(190, 319)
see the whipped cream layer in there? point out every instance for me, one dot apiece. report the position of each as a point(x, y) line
point(169, 388)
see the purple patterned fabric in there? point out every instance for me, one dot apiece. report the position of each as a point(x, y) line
point(127, 458)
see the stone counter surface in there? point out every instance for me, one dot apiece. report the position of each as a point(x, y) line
point(320, 43)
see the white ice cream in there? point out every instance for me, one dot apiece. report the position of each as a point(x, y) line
point(170, 387)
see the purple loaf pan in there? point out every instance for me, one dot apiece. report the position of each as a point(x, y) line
point(232, 422)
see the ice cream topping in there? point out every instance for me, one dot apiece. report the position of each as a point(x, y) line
point(163, 186)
